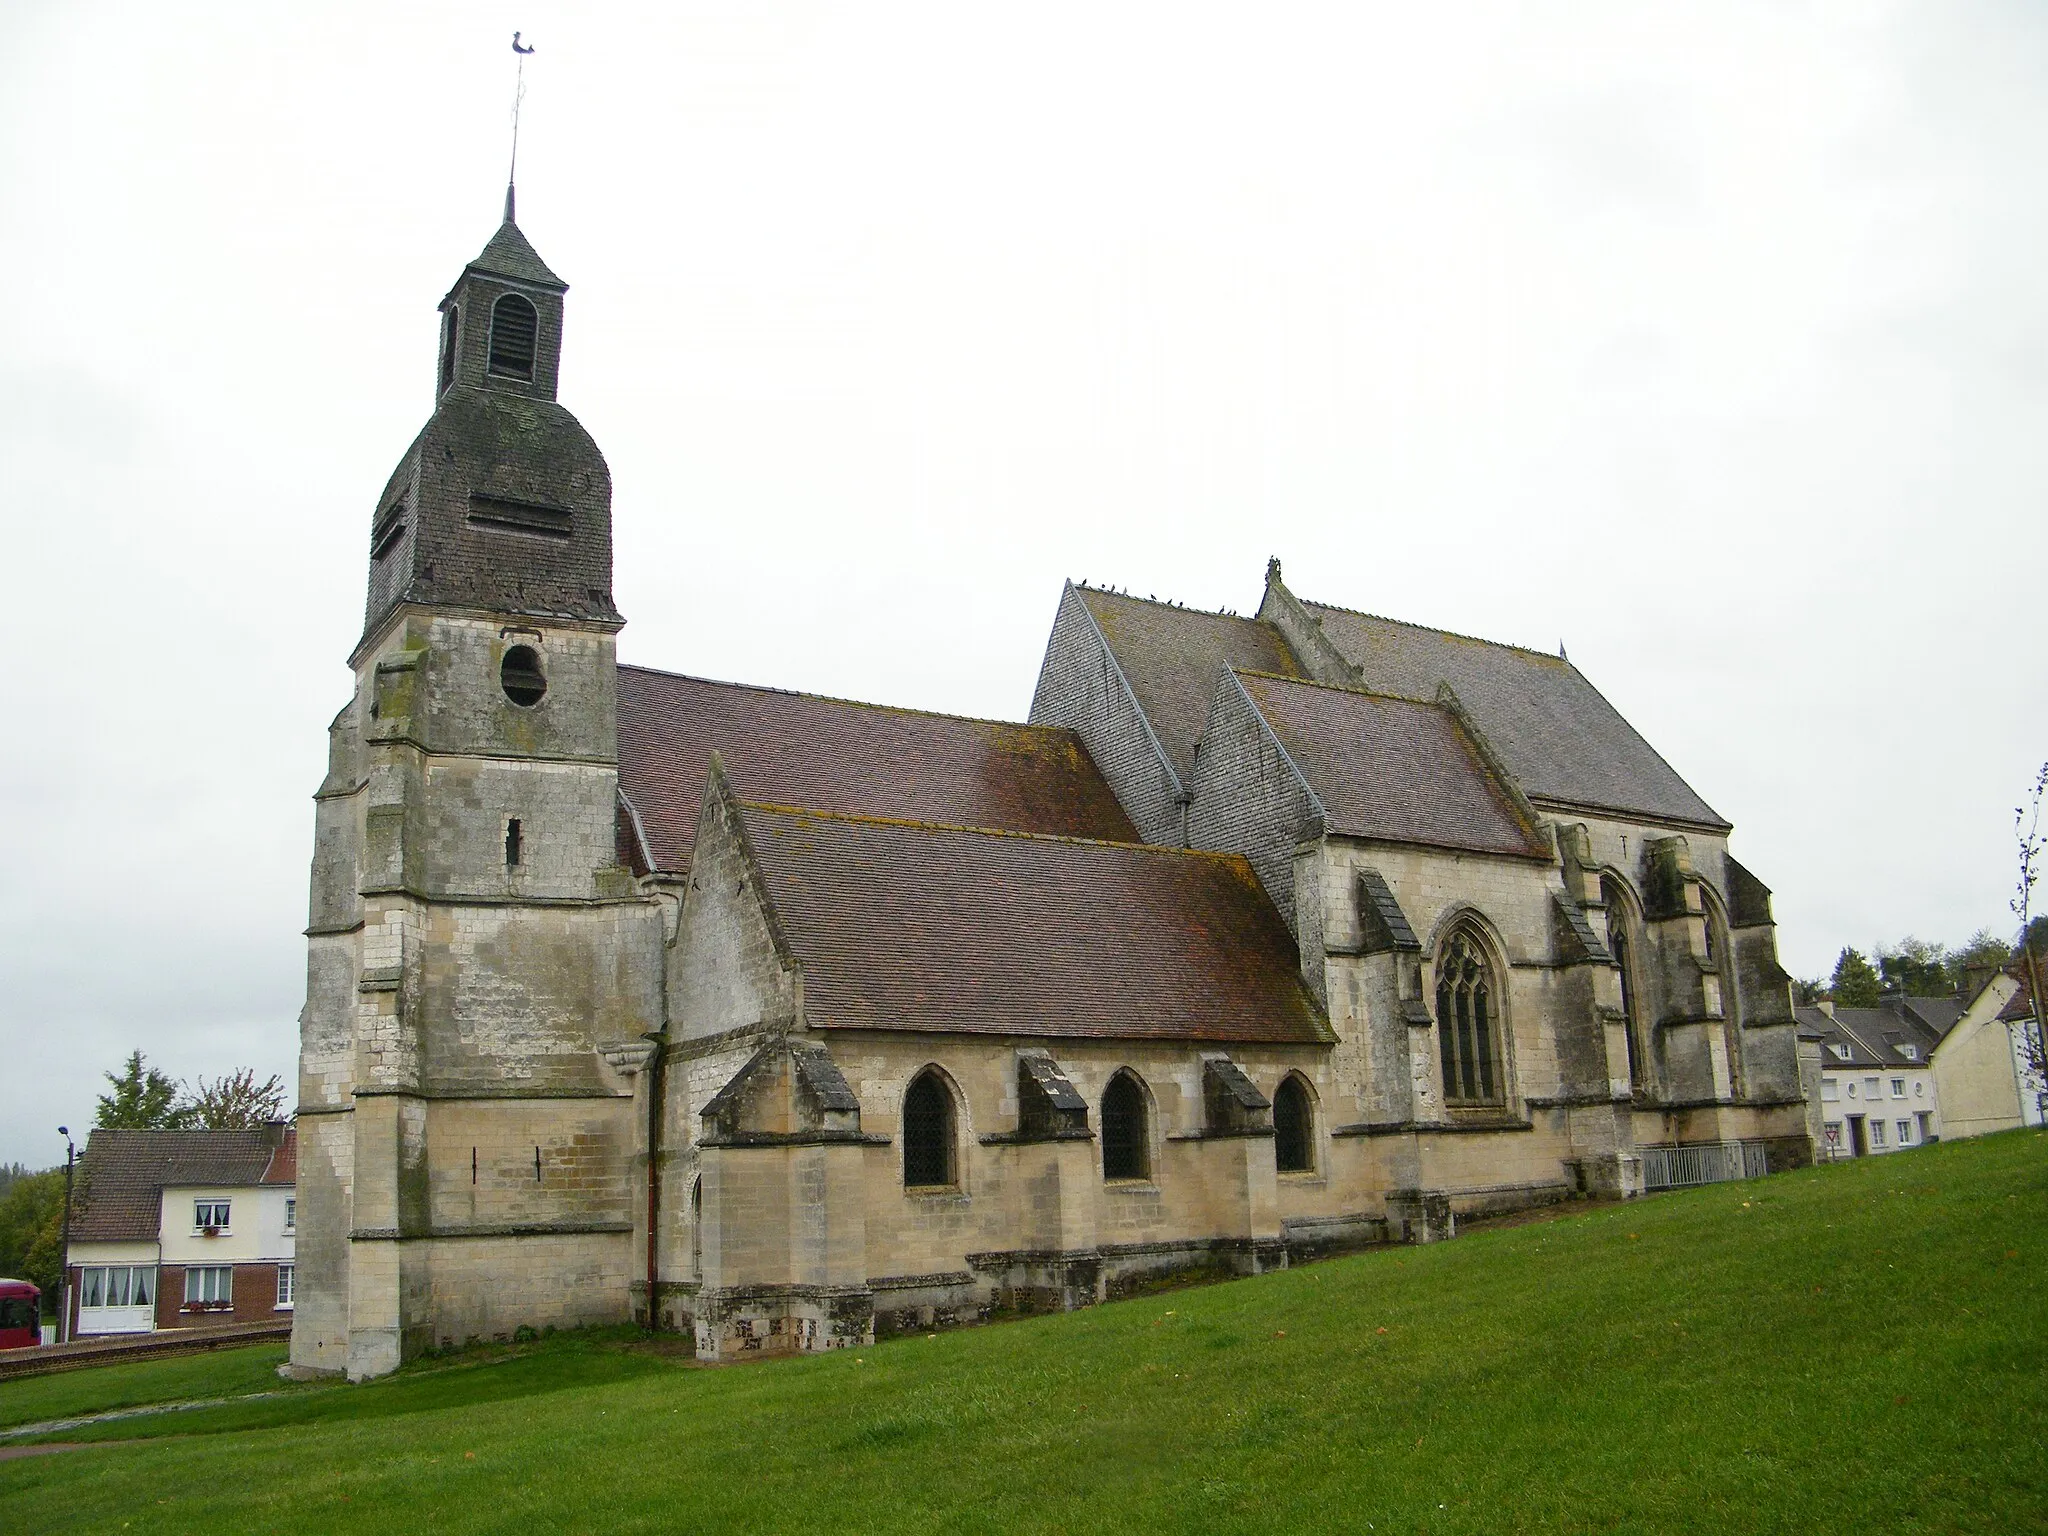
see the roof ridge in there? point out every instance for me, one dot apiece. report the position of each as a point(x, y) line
point(1433, 629)
point(833, 698)
point(1310, 682)
point(1173, 607)
point(1218, 854)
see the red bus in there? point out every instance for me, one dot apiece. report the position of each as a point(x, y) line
point(20, 1315)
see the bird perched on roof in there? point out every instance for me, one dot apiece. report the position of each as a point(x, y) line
point(516, 47)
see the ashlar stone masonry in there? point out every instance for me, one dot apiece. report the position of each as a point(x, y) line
point(782, 1021)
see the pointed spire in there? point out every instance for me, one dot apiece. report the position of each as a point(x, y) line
point(509, 218)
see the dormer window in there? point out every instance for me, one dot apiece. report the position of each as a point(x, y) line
point(515, 333)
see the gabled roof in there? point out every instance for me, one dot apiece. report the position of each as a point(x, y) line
point(1881, 1036)
point(124, 1174)
point(1172, 658)
point(1393, 769)
point(859, 759)
point(2021, 1004)
point(510, 254)
point(1553, 730)
point(905, 926)
point(1935, 1015)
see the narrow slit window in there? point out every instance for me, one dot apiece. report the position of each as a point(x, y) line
point(451, 332)
point(514, 840)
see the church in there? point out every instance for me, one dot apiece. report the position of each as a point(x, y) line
point(784, 1022)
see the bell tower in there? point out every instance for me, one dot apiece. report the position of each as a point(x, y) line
point(479, 967)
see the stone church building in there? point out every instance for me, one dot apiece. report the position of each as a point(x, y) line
point(785, 1020)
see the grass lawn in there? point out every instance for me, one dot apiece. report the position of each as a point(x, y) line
point(1860, 1348)
point(100, 1389)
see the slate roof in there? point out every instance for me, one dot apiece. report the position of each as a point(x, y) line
point(1551, 727)
point(1393, 769)
point(1172, 658)
point(510, 254)
point(859, 759)
point(1935, 1015)
point(1878, 1036)
point(124, 1174)
point(906, 926)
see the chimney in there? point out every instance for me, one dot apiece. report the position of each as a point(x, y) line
point(273, 1131)
point(1826, 1005)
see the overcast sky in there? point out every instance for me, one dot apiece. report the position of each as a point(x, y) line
point(1709, 341)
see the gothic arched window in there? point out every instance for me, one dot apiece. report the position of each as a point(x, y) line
point(927, 1133)
point(515, 335)
point(1294, 1128)
point(1126, 1146)
point(1621, 941)
point(1467, 1021)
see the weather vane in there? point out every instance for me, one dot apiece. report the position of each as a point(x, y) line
point(518, 95)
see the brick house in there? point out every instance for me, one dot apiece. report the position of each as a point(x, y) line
point(177, 1229)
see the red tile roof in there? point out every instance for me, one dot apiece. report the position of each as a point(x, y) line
point(835, 755)
point(1394, 769)
point(905, 926)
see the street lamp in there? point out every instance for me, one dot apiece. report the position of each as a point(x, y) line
point(64, 1284)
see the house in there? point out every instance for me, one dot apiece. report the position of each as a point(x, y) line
point(1985, 1067)
point(182, 1228)
point(1877, 1087)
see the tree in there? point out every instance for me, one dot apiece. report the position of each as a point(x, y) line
point(236, 1102)
point(32, 1232)
point(143, 1100)
point(2026, 827)
point(1916, 968)
point(1808, 991)
point(1855, 983)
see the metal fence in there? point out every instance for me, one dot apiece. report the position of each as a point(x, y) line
point(1715, 1162)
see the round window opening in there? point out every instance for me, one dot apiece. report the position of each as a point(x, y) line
point(520, 676)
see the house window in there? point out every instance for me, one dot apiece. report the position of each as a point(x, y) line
point(1466, 1016)
point(1126, 1148)
point(291, 1215)
point(1842, 1051)
point(515, 330)
point(1852, 1090)
point(1898, 1087)
point(117, 1285)
point(1877, 1133)
point(1294, 1123)
point(210, 1285)
point(285, 1280)
point(1910, 1052)
point(1919, 1090)
point(927, 1133)
point(1871, 1088)
point(1830, 1089)
point(210, 1213)
point(1905, 1129)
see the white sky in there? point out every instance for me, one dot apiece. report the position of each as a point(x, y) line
point(1711, 340)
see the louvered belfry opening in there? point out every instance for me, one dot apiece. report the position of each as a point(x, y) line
point(1125, 1153)
point(515, 335)
point(1466, 1016)
point(1293, 1123)
point(927, 1133)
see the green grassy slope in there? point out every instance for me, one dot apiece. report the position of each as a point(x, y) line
point(1856, 1348)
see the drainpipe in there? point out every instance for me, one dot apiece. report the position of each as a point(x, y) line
point(654, 1097)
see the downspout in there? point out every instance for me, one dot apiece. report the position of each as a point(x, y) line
point(654, 1099)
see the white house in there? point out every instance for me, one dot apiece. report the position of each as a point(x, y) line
point(1877, 1084)
point(179, 1228)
